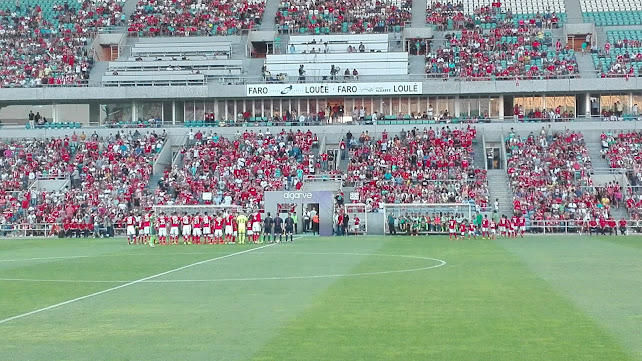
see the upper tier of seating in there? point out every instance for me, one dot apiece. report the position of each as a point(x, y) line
point(508, 52)
point(621, 55)
point(479, 14)
point(46, 42)
point(612, 12)
point(195, 17)
point(338, 43)
point(184, 63)
point(318, 66)
point(515, 6)
point(337, 16)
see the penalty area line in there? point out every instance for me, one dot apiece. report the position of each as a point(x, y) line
point(129, 284)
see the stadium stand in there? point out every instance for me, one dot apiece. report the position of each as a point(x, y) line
point(507, 52)
point(479, 14)
point(153, 18)
point(621, 55)
point(334, 16)
point(107, 177)
point(338, 43)
point(45, 42)
point(184, 63)
point(622, 151)
point(418, 166)
point(237, 171)
point(319, 66)
point(612, 12)
point(551, 178)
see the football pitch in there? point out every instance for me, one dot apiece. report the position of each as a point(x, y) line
point(343, 298)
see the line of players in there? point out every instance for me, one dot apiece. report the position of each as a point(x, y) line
point(222, 228)
point(507, 228)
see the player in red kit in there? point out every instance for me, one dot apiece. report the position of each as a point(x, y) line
point(229, 228)
point(173, 230)
point(522, 225)
point(514, 226)
point(218, 229)
point(484, 230)
point(471, 230)
point(196, 229)
point(145, 226)
point(130, 222)
point(161, 228)
point(186, 221)
point(452, 228)
point(207, 228)
point(493, 230)
point(462, 229)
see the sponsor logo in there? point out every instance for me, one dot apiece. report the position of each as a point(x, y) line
point(293, 195)
point(286, 90)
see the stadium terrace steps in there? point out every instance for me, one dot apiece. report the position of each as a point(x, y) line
point(499, 189)
point(573, 11)
point(418, 19)
point(153, 182)
point(596, 157)
point(416, 64)
point(97, 71)
point(585, 65)
point(479, 160)
point(129, 7)
point(267, 21)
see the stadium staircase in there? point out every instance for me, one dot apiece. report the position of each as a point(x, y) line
point(585, 65)
point(499, 188)
point(479, 160)
point(418, 19)
point(271, 8)
point(153, 182)
point(97, 71)
point(573, 11)
point(129, 7)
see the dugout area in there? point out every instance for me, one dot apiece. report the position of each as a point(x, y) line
point(322, 200)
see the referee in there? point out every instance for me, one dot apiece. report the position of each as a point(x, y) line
point(289, 227)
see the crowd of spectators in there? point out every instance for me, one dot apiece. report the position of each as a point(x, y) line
point(624, 151)
point(107, 177)
point(418, 166)
point(449, 16)
point(194, 17)
point(550, 175)
point(236, 171)
point(48, 45)
point(511, 50)
point(335, 16)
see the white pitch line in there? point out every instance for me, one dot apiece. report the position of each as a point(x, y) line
point(128, 284)
point(275, 278)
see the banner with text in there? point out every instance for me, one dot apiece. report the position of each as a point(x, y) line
point(333, 89)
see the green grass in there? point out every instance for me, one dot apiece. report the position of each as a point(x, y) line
point(542, 298)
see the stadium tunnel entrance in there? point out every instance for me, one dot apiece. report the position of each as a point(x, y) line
point(320, 203)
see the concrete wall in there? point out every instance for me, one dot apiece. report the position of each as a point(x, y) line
point(430, 87)
point(334, 133)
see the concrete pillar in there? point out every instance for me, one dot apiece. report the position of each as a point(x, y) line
point(587, 105)
point(94, 114)
point(173, 112)
point(134, 111)
point(500, 106)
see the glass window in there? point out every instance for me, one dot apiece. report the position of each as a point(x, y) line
point(147, 111)
point(115, 113)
